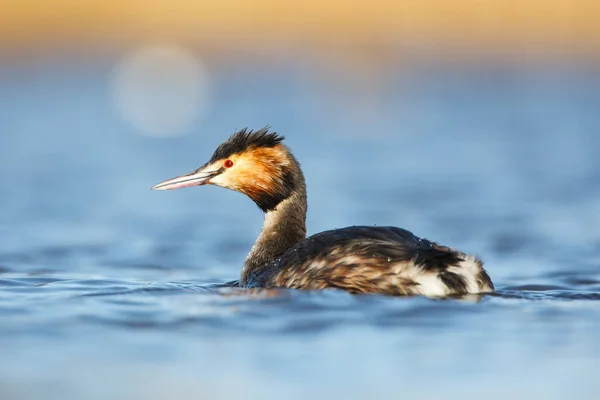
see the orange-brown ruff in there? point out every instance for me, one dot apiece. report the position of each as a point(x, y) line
point(359, 259)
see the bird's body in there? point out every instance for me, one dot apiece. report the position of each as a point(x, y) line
point(358, 259)
point(366, 259)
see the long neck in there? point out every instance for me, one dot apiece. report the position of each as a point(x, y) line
point(282, 228)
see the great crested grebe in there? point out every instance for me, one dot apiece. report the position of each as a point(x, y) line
point(358, 259)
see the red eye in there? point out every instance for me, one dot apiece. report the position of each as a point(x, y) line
point(228, 164)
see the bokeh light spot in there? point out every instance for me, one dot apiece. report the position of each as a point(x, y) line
point(161, 90)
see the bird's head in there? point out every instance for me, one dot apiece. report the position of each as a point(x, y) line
point(255, 163)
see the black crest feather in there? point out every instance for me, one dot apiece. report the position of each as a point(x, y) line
point(246, 139)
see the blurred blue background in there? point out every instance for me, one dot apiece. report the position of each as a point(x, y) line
point(483, 142)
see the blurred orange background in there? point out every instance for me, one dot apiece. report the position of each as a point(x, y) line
point(487, 27)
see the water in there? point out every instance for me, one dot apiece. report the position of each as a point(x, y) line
point(108, 289)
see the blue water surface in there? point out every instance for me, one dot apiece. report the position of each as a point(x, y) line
point(110, 290)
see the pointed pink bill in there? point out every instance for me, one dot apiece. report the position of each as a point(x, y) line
point(194, 178)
